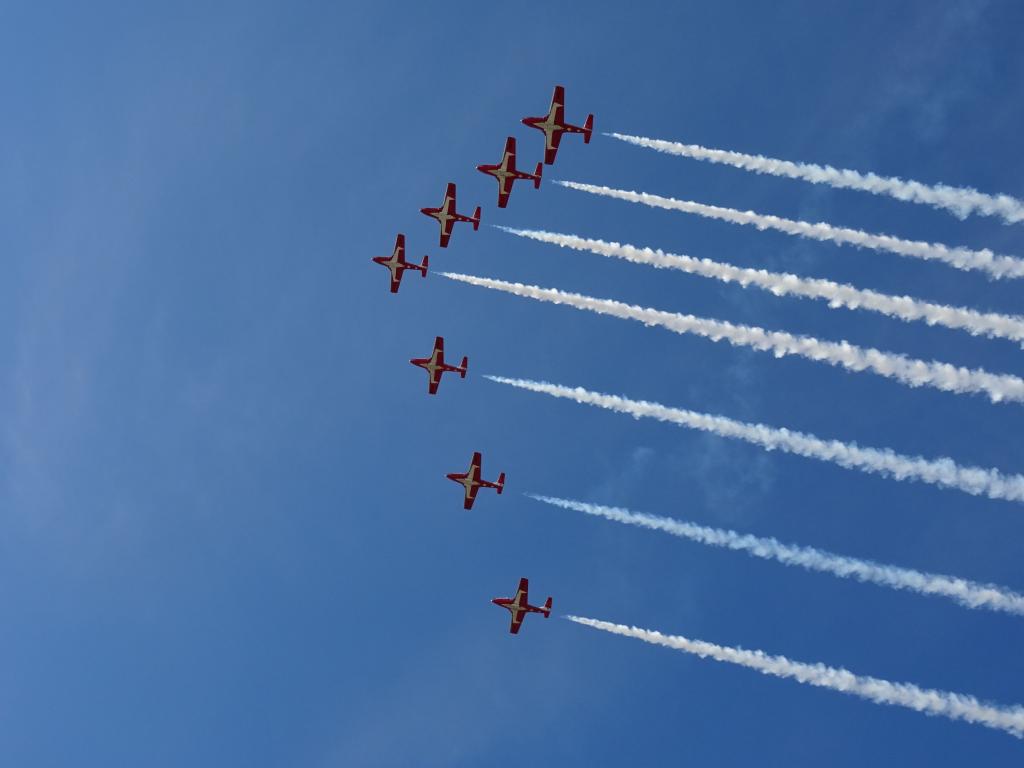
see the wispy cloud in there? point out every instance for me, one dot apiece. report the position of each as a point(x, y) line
point(943, 472)
point(906, 370)
point(960, 201)
point(967, 593)
point(905, 308)
point(962, 258)
point(955, 706)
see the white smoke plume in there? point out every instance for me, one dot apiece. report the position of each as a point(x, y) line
point(905, 308)
point(962, 258)
point(913, 373)
point(955, 706)
point(960, 201)
point(943, 472)
point(967, 593)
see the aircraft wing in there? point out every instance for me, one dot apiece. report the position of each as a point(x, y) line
point(471, 493)
point(438, 355)
point(517, 621)
point(448, 206)
point(558, 103)
point(396, 280)
point(557, 111)
point(509, 161)
point(503, 192)
point(524, 591)
point(551, 146)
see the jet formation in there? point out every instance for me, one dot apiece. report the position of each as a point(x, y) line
point(554, 126)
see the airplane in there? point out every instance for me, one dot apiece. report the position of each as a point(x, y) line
point(435, 365)
point(518, 606)
point(506, 173)
point(448, 214)
point(397, 263)
point(554, 125)
point(472, 481)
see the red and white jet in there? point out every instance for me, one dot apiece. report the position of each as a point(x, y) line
point(519, 606)
point(506, 173)
point(447, 215)
point(472, 481)
point(435, 365)
point(397, 264)
point(554, 125)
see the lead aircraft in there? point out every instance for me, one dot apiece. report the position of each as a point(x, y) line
point(519, 606)
point(435, 365)
point(554, 125)
point(471, 481)
point(447, 215)
point(397, 264)
point(506, 174)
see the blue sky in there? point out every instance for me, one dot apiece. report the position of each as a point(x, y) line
point(225, 533)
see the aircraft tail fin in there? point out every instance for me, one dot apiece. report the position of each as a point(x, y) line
point(501, 483)
point(424, 265)
point(588, 129)
point(476, 219)
point(463, 368)
point(536, 175)
point(547, 608)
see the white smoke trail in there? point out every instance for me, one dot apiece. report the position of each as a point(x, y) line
point(955, 706)
point(961, 258)
point(943, 472)
point(913, 373)
point(968, 593)
point(960, 201)
point(906, 308)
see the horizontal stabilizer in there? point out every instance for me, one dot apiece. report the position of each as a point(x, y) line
point(588, 129)
point(536, 175)
point(476, 219)
point(425, 265)
point(464, 367)
point(501, 483)
point(547, 608)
